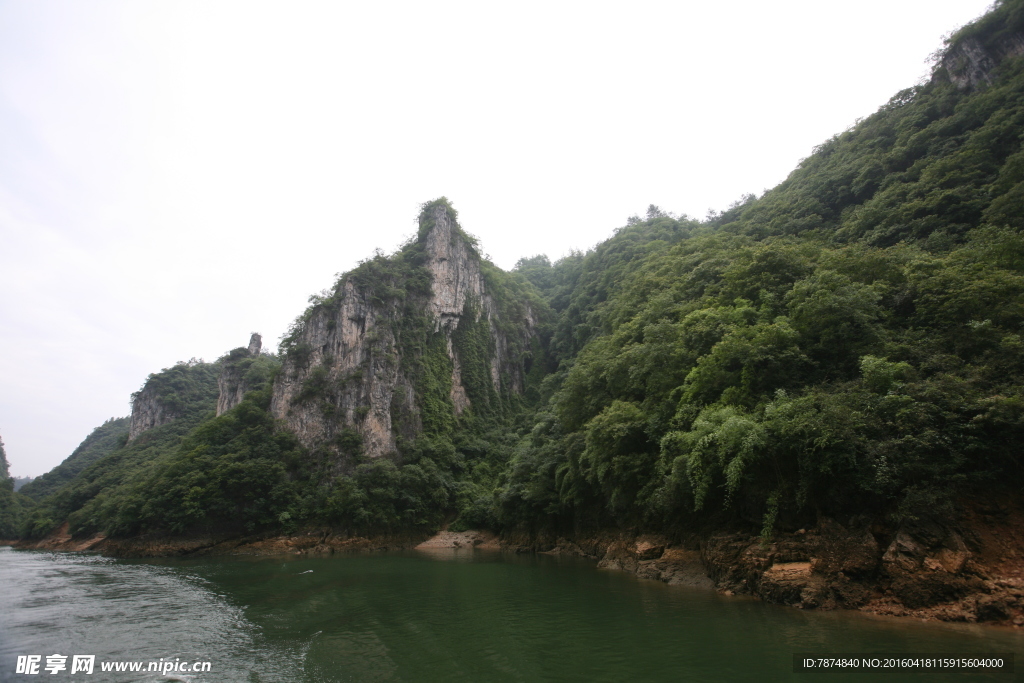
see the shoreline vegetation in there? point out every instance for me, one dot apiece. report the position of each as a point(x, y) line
point(814, 397)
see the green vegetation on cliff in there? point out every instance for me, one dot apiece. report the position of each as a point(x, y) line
point(446, 462)
point(255, 372)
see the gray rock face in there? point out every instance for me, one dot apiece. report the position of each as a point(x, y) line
point(230, 389)
point(255, 344)
point(188, 389)
point(358, 359)
point(456, 281)
point(350, 356)
point(231, 385)
point(147, 412)
point(969, 64)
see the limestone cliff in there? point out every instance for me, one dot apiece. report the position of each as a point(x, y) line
point(969, 64)
point(404, 345)
point(973, 53)
point(148, 411)
point(188, 389)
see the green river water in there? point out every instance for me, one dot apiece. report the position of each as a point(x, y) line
point(462, 615)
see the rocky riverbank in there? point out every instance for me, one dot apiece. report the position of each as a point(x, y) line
point(972, 571)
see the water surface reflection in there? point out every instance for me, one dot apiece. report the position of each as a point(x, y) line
point(441, 615)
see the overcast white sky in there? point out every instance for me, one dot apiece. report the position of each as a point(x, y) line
point(175, 175)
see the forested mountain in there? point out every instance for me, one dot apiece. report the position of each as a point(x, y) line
point(109, 436)
point(847, 344)
point(849, 341)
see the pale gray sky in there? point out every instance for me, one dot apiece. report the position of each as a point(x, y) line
point(174, 175)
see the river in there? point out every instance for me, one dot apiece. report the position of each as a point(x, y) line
point(451, 615)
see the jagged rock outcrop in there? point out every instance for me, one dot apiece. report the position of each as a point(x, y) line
point(255, 344)
point(828, 566)
point(148, 411)
point(373, 359)
point(921, 569)
point(969, 63)
point(232, 383)
point(972, 571)
point(344, 349)
point(457, 281)
point(188, 389)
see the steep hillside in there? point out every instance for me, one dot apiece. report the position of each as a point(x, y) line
point(936, 162)
point(847, 342)
point(183, 393)
point(103, 440)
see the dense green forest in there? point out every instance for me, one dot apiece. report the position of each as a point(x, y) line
point(12, 505)
point(849, 343)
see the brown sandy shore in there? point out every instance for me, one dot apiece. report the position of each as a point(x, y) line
point(971, 573)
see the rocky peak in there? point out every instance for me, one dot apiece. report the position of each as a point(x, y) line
point(231, 382)
point(255, 344)
point(454, 268)
point(363, 361)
